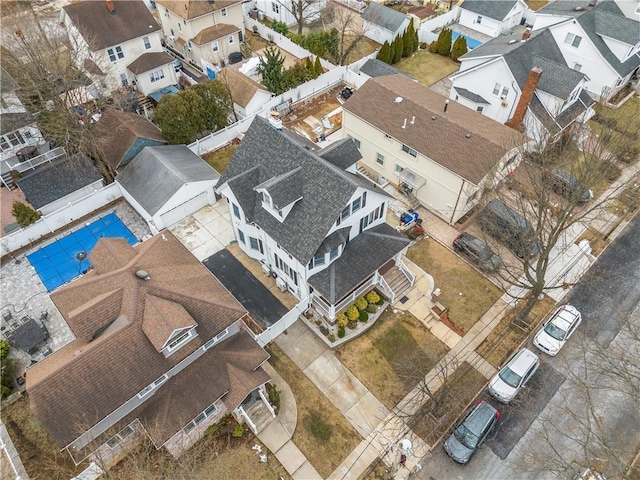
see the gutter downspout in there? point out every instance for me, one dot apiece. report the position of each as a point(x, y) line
point(457, 201)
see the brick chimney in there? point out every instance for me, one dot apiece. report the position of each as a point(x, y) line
point(526, 34)
point(528, 91)
point(111, 7)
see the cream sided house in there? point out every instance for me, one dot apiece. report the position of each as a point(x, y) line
point(118, 43)
point(597, 39)
point(524, 82)
point(161, 350)
point(203, 32)
point(315, 225)
point(439, 154)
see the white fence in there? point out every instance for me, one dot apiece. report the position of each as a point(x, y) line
point(50, 223)
point(425, 32)
point(281, 325)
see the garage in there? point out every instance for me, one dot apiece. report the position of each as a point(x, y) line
point(184, 209)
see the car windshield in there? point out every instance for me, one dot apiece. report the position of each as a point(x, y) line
point(554, 331)
point(480, 248)
point(509, 377)
point(464, 435)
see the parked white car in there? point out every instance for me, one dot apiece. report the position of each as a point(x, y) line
point(557, 329)
point(506, 384)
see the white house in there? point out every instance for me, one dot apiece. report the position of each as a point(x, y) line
point(203, 32)
point(248, 96)
point(107, 37)
point(596, 39)
point(310, 219)
point(153, 71)
point(493, 17)
point(164, 184)
point(383, 24)
point(438, 153)
point(281, 10)
point(493, 78)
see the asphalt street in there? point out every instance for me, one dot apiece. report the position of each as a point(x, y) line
point(557, 425)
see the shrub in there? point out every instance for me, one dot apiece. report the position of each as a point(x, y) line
point(353, 323)
point(364, 316)
point(424, 45)
point(4, 349)
point(341, 332)
point(331, 337)
point(627, 153)
point(433, 47)
point(342, 320)
point(352, 312)
point(361, 303)
point(280, 27)
point(324, 330)
point(274, 396)
point(372, 308)
point(459, 48)
point(4, 391)
point(316, 424)
point(24, 214)
point(384, 54)
point(238, 431)
point(373, 297)
point(610, 171)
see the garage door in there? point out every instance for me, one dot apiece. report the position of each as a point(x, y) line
point(183, 210)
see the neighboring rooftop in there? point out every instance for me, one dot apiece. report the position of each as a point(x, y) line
point(385, 17)
point(496, 9)
point(214, 32)
point(243, 89)
point(190, 9)
point(148, 61)
point(377, 68)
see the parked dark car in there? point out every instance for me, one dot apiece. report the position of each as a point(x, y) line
point(568, 186)
point(470, 432)
point(235, 57)
point(511, 228)
point(478, 251)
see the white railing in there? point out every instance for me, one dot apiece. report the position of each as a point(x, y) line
point(406, 271)
point(323, 306)
point(268, 335)
point(385, 286)
point(244, 415)
point(355, 294)
point(35, 161)
point(266, 402)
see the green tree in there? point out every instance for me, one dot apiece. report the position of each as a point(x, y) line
point(217, 102)
point(407, 40)
point(459, 47)
point(416, 40)
point(397, 49)
point(318, 67)
point(324, 44)
point(271, 68)
point(24, 214)
point(279, 27)
point(444, 42)
point(384, 55)
point(4, 349)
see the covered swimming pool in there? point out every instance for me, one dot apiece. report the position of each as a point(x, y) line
point(65, 259)
point(471, 42)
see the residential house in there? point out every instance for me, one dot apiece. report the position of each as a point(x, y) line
point(281, 10)
point(160, 350)
point(248, 96)
point(519, 81)
point(597, 39)
point(167, 183)
point(55, 184)
point(122, 135)
point(152, 72)
point(439, 154)
point(377, 68)
point(203, 32)
point(310, 219)
point(383, 24)
point(108, 37)
point(493, 17)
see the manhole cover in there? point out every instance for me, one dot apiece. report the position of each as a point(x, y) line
point(404, 299)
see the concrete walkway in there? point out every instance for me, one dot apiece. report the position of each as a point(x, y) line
point(11, 454)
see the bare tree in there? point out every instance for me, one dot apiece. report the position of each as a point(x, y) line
point(303, 11)
point(349, 25)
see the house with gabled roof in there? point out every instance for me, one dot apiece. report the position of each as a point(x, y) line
point(282, 10)
point(597, 39)
point(203, 32)
point(107, 37)
point(383, 24)
point(160, 350)
point(315, 224)
point(493, 17)
point(248, 96)
point(437, 153)
point(525, 82)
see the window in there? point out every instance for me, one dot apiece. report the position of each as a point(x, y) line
point(200, 418)
point(256, 244)
point(179, 26)
point(479, 19)
point(124, 80)
point(236, 210)
point(166, 13)
point(149, 388)
point(15, 138)
point(241, 236)
point(577, 67)
point(500, 90)
point(275, 7)
point(399, 168)
point(115, 54)
point(147, 43)
point(572, 39)
point(355, 206)
point(223, 12)
point(346, 212)
point(215, 339)
point(214, 46)
point(379, 159)
point(364, 199)
point(479, 109)
point(208, 412)
point(240, 37)
point(291, 273)
point(118, 437)
point(157, 75)
point(333, 254)
point(172, 34)
point(318, 259)
point(230, 39)
point(409, 150)
point(356, 141)
point(178, 339)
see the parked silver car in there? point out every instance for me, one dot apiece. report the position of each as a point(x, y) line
point(506, 384)
point(555, 332)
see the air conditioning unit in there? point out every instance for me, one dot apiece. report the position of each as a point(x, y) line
point(281, 284)
point(266, 269)
point(172, 38)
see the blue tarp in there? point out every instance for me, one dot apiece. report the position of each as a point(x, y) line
point(170, 90)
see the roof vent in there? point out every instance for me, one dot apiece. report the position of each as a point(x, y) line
point(511, 42)
point(467, 135)
point(433, 117)
point(578, 9)
point(143, 275)
point(398, 100)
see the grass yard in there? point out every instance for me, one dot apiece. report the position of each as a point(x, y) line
point(454, 276)
point(505, 338)
point(219, 159)
point(439, 413)
point(364, 47)
point(596, 240)
point(427, 67)
point(322, 433)
point(392, 356)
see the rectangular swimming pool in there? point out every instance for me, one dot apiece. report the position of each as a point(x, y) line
point(65, 259)
point(471, 42)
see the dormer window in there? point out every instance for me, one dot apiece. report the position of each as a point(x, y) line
point(178, 340)
point(151, 387)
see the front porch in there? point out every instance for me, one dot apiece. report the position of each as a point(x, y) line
point(255, 411)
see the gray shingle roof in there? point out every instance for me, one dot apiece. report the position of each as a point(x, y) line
point(264, 153)
point(557, 79)
point(618, 27)
point(342, 153)
point(554, 125)
point(334, 239)
point(157, 173)
point(496, 9)
point(285, 188)
point(568, 7)
point(474, 97)
point(58, 179)
point(384, 16)
point(377, 68)
point(361, 257)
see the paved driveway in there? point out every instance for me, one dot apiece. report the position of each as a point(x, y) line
point(261, 304)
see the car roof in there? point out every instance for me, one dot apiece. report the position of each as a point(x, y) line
point(564, 317)
point(479, 418)
point(522, 360)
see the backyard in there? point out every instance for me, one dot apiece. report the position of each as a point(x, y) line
point(219, 159)
point(465, 292)
point(393, 355)
point(322, 433)
point(427, 67)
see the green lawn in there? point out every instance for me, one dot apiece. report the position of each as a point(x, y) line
point(219, 159)
point(427, 67)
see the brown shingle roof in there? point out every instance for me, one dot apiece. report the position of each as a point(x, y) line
point(83, 382)
point(242, 87)
point(101, 29)
point(189, 9)
point(118, 130)
point(210, 34)
point(148, 61)
point(162, 318)
point(461, 140)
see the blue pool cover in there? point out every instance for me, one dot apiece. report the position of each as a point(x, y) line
point(59, 262)
point(471, 42)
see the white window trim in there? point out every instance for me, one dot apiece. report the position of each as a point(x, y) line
point(214, 46)
point(120, 436)
point(215, 339)
point(223, 12)
point(152, 386)
point(192, 424)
